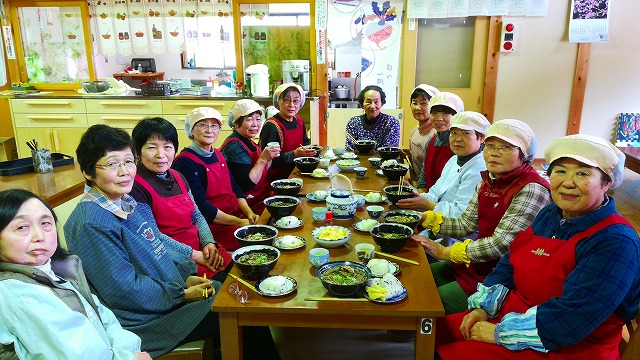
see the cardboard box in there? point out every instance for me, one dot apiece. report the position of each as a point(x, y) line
point(8, 150)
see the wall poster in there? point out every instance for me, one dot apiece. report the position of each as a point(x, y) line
point(589, 22)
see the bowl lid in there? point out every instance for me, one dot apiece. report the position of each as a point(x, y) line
point(340, 193)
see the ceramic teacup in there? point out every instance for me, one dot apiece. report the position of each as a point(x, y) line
point(374, 211)
point(374, 161)
point(364, 252)
point(324, 162)
point(338, 150)
point(319, 213)
point(318, 256)
point(360, 172)
point(361, 199)
point(273, 143)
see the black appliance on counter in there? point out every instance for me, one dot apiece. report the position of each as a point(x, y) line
point(146, 64)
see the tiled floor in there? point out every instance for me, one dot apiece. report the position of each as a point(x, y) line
point(336, 344)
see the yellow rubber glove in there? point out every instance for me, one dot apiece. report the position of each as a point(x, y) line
point(433, 221)
point(458, 253)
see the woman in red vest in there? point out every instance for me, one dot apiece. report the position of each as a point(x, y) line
point(569, 282)
point(509, 196)
point(247, 162)
point(287, 129)
point(442, 107)
point(162, 188)
point(219, 198)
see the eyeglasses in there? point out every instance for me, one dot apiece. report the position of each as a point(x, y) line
point(420, 104)
point(241, 295)
point(502, 148)
point(205, 126)
point(114, 165)
point(292, 101)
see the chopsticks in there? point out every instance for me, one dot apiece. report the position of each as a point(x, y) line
point(205, 292)
point(244, 283)
point(365, 190)
point(400, 184)
point(397, 258)
point(353, 140)
point(33, 145)
point(333, 299)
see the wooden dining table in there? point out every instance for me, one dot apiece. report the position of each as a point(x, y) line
point(416, 312)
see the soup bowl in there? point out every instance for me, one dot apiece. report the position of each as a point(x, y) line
point(256, 235)
point(343, 278)
point(306, 164)
point(389, 152)
point(286, 187)
point(364, 146)
point(394, 195)
point(281, 205)
point(256, 261)
point(391, 237)
point(410, 218)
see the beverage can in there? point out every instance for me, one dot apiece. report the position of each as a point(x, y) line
point(329, 217)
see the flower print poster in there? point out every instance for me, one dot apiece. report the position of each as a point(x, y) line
point(589, 21)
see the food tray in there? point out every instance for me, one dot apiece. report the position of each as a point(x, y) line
point(21, 166)
point(155, 89)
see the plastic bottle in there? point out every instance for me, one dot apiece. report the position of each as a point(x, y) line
point(209, 82)
point(221, 33)
point(329, 217)
point(215, 83)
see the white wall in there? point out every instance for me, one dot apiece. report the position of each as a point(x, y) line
point(535, 82)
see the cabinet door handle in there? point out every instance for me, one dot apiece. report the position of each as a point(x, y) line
point(120, 118)
point(56, 141)
point(47, 103)
point(124, 103)
point(49, 117)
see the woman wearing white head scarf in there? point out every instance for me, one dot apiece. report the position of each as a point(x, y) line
point(420, 134)
point(569, 282)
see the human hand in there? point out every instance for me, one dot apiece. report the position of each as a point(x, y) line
point(253, 218)
point(469, 320)
point(420, 239)
point(242, 222)
point(212, 257)
point(270, 152)
point(142, 356)
point(303, 151)
point(417, 202)
point(436, 249)
point(483, 331)
point(197, 289)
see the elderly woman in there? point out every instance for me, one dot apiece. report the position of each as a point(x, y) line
point(505, 202)
point(373, 124)
point(461, 174)
point(287, 129)
point(161, 187)
point(422, 133)
point(47, 307)
point(247, 162)
point(569, 282)
point(219, 198)
point(146, 278)
point(442, 107)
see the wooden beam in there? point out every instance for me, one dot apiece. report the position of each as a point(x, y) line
point(491, 68)
point(579, 87)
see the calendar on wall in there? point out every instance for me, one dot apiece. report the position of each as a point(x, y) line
point(589, 21)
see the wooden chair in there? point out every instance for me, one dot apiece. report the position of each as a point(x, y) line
point(630, 343)
point(195, 350)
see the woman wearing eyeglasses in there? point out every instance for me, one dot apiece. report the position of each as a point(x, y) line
point(287, 129)
point(373, 124)
point(247, 162)
point(506, 201)
point(217, 194)
point(145, 277)
point(422, 133)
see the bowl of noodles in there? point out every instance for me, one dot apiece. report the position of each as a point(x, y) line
point(286, 187)
point(256, 261)
point(343, 278)
point(391, 237)
point(404, 217)
point(331, 236)
point(256, 235)
point(281, 205)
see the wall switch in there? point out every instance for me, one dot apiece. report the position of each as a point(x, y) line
point(507, 37)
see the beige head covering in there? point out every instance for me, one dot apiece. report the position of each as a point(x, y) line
point(589, 150)
point(516, 133)
point(283, 87)
point(243, 107)
point(447, 99)
point(470, 120)
point(431, 90)
point(198, 114)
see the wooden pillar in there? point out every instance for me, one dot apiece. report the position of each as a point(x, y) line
point(579, 87)
point(491, 68)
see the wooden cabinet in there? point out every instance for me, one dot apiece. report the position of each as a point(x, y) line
point(56, 124)
point(123, 114)
point(176, 111)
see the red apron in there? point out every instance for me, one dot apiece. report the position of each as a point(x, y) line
point(262, 189)
point(177, 222)
point(435, 158)
point(289, 141)
point(540, 267)
point(221, 195)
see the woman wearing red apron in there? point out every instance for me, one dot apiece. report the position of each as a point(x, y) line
point(510, 195)
point(247, 162)
point(156, 140)
point(569, 282)
point(442, 107)
point(220, 200)
point(287, 129)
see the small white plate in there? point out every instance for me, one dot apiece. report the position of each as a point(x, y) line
point(312, 197)
point(280, 225)
point(349, 156)
point(291, 285)
point(392, 300)
point(392, 265)
point(358, 225)
point(280, 242)
point(321, 177)
point(375, 202)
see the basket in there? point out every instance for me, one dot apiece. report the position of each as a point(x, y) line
point(155, 89)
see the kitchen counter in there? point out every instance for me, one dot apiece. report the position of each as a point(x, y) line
point(131, 95)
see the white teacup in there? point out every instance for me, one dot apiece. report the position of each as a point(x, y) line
point(324, 162)
point(364, 252)
point(320, 194)
point(318, 256)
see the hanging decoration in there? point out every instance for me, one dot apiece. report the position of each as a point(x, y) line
point(138, 27)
